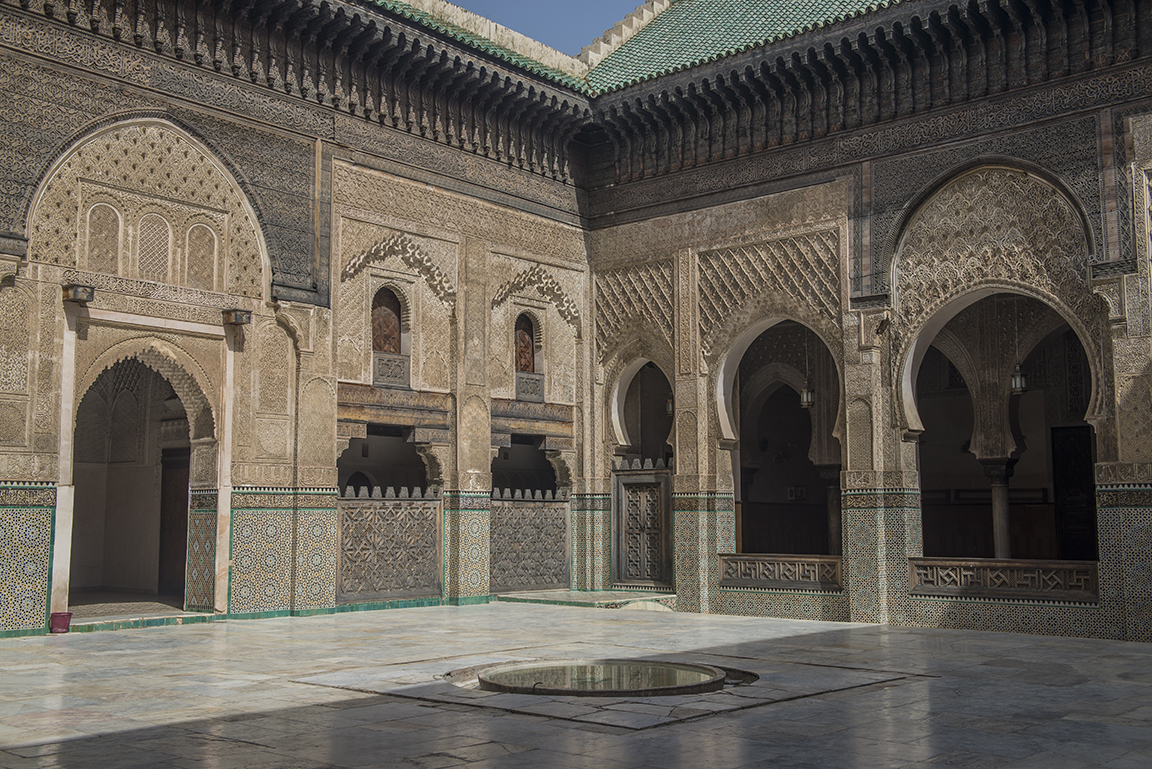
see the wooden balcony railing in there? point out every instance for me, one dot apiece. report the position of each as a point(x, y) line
point(780, 572)
point(1076, 581)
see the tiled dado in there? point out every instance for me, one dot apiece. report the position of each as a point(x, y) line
point(881, 529)
point(703, 526)
point(591, 541)
point(1124, 513)
point(283, 550)
point(26, 511)
point(200, 582)
point(467, 531)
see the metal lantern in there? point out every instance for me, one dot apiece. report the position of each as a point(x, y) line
point(1019, 383)
point(807, 396)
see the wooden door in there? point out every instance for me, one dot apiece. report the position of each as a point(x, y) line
point(173, 522)
point(643, 529)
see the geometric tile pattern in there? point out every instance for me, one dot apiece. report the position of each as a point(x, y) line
point(591, 541)
point(262, 533)
point(704, 526)
point(261, 560)
point(283, 549)
point(200, 581)
point(316, 551)
point(467, 534)
point(26, 512)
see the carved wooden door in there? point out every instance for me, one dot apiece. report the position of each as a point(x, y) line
point(643, 530)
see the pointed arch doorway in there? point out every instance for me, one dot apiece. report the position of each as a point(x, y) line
point(138, 434)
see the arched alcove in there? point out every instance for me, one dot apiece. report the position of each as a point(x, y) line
point(787, 395)
point(1006, 457)
point(643, 411)
point(132, 473)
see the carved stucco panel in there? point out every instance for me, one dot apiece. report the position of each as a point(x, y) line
point(860, 435)
point(990, 226)
point(474, 441)
point(368, 189)
point(796, 277)
point(317, 438)
point(1134, 399)
point(148, 167)
point(16, 303)
point(552, 297)
point(640, 294)
point(423, 271)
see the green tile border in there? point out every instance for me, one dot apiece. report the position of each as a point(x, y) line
point(195, 619)
point(467, 600)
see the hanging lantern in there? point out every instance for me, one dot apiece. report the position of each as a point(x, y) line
point(1019, 383)
point(668, 406)
point(807, 396)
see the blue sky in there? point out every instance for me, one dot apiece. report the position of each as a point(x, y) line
point(567, 27)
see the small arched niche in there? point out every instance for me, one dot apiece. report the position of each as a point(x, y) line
point(528, 351)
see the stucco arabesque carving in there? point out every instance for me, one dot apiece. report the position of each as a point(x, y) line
point(409, 253)
point(172, 364)
point(796, 277)
point(548, 287)
point(995, 230)
point(631, 297)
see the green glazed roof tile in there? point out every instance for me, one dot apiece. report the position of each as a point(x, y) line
point(481, 43)
point(691, 32)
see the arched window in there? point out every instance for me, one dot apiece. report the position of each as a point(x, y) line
point(390, 362)
point(154, 248)
point(386, 322)
point(525, 344)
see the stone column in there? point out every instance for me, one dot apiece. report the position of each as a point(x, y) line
point(998, 472)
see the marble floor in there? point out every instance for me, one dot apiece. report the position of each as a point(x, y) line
point(367, 690)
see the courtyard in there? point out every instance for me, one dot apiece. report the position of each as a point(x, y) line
point(367, 689)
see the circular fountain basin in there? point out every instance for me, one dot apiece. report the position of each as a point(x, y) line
point(602, 678)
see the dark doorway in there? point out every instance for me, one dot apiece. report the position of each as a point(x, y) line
point(1075, 492)
point(173, 521)
point(785, 506)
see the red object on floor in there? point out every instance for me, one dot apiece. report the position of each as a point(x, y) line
point(59, 621)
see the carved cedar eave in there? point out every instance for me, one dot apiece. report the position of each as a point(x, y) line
point(895, 62)
point(360, 59)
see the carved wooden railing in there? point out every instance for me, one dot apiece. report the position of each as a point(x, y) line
point(389, 370)
point(787, 572)
point(528, 540)
point(389, 544)
point(1076, 581)
point(529, 387)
